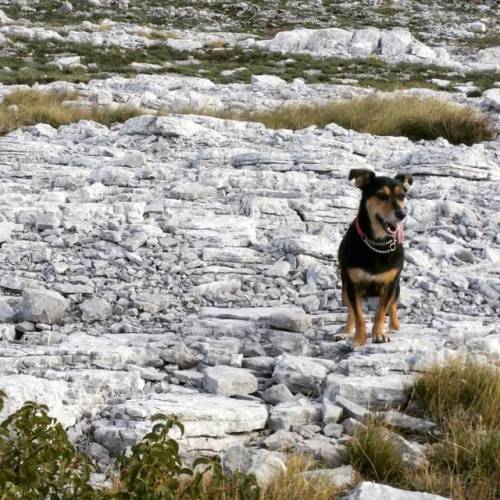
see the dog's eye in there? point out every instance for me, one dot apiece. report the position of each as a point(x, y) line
point(382, 196)
point(401, 197)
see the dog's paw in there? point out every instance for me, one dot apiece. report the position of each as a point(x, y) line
point(359, 341)
point(381, 340)
point(380, 337)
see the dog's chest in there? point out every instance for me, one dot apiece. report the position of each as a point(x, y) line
point(363, 277)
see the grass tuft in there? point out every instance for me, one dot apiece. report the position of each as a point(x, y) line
point(373, 455)
point(410, 117)
point(293, 485)
point(28, 107)
point(464, 462)
point(471, 391)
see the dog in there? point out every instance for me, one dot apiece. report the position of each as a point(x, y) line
point(371, 254)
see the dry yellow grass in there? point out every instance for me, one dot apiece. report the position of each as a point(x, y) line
point(411, 117)
point(29, 107)
point(464, 462)
point(294, 486)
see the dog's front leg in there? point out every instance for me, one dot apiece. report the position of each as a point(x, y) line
point(386, 298)
point(350, 324)
point(354, 298)
point(393, 316)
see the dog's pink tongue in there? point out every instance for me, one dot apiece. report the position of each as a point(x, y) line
point(400, 234)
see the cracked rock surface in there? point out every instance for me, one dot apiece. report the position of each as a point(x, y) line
point(188, 264)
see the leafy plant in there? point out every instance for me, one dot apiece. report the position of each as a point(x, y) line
point(37, 461)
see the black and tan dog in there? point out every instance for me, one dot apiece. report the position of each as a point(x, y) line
point(371, 253)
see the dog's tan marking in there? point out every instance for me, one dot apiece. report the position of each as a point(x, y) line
point(361, 277)
point(359, 319)
point(375, 206)
point(393, 316)
point(350, 323)
point(378, 332)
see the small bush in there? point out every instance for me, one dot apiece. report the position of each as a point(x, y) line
point(29, 107)
point(37, 460)
point(410, 117)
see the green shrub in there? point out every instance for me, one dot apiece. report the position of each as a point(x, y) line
point(37, 461)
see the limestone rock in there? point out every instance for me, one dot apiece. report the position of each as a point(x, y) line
point(229, 381)
point(43, 306)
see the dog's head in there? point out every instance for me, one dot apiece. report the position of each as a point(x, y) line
point(384, 199)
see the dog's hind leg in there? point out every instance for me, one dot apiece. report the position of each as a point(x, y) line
point(354, 298)
point(349, 326)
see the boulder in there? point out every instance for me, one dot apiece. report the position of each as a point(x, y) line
point(229, 381)
point(365, 42)
point(293, 413)
point(367, 490)
point(96, 309)
point(5, 231)
point(293, 320)
point(7, 314)
point(43, 306)
point(264, 465)
point(339, 477)
point(395, 42)
point(300, 374)
point(375, 392)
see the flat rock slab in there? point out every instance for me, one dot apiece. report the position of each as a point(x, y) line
point(372, 491)
point(387, 391)
point(201, 414)
point(229, 381)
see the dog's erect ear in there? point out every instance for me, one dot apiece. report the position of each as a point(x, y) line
point(362, 177)
point(405, 179)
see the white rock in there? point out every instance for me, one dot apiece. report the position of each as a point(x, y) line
point(96, 309)
point(291, 320)
point(264, 465)
point(300, 374)
point(395, 42)
point(373, 491)
point(339, 478)
point(376, 392)
point(293, 413)
point(229, 381)
point(5, 231)
point(43, 306)
point(491, 98)
point(476, 27)
point(365, 42)
point(267, 81)
point(53, 393)
point(6, 312)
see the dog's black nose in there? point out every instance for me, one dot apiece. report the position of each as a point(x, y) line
point(400, 214)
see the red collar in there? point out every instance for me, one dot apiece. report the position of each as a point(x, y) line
point(399, 234)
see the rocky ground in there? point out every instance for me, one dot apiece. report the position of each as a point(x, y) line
point(187, 264)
